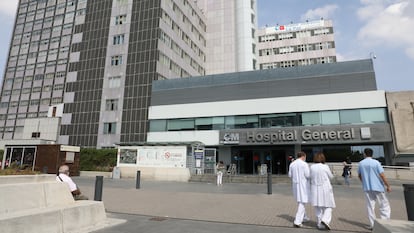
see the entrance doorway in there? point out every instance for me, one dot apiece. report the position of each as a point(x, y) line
point(249, 160)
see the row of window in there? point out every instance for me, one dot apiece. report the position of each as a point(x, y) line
point(33, 102)
point(197, 50)
point(189, 9)
point(17, 81)
point(300, 62)
point(174, 67)
point(336, 117)
point(298, 34)
point(46, 88)
point(296, 48)
point(11, 116)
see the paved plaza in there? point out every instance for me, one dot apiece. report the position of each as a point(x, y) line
point(160, 206)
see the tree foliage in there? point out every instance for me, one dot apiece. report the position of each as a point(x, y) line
point(97, 159)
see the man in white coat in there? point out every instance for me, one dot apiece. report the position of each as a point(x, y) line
point(299, 173)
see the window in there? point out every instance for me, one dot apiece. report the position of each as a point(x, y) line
point(58, 87)
point(6, 92)
point(114, 81)
point(311, 118)
point(239, 122)
point(330, 118)
point(111, 105)
point(34, 102)
point(180, 124)
point(109, 128)
point(116, 60)
point(57, 100)
point(118, 39)
point(158, 125)
point(49, 75)
point(38, 77)
point(375, 115)
point(14, 104)
point(120, 19)
point(60, 74)
point(350, 117)
point(277, 120)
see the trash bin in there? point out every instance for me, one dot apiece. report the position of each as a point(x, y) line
point(116, 173)
point(409, 200)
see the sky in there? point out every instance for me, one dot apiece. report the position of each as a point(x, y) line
point(380, 29)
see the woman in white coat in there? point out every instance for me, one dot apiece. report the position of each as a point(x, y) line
point(322, 197)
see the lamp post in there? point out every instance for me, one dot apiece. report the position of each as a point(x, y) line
point(372, 55)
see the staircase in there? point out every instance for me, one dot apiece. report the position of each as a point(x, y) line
point(227, 178)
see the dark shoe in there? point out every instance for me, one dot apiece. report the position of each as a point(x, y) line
point(326, 225)
point(297, 225)
point(321, 228)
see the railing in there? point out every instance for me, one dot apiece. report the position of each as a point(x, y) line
point(391, 172)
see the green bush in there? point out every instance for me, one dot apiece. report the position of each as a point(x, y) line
point(97, 159)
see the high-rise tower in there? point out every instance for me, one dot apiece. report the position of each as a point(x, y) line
point(297, 44)
point(97, 59)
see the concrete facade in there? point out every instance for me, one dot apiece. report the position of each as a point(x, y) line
point(96, 61)
point(297, 44)
point(266, 116)
point(401, 115)
point(231, 35)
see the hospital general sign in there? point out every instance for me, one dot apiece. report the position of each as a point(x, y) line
point(305, 135)
point(294, 27)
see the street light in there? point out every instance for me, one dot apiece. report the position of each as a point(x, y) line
point(372, 55)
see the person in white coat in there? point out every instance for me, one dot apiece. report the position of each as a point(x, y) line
point(299, 173)
point(322, 197)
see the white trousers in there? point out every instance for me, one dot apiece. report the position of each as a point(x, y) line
point(219, 178)
point(384, 206)
point(323, 214)
point(300, 213)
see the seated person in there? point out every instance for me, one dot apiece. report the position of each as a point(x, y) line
point(63, 176)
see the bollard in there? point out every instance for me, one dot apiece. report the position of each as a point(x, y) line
point(98, 188)
point(138, 183)
point(409, 200)
point(269, 183)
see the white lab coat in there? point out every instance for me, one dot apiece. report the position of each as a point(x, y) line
point(299, 172)
point(321, 188)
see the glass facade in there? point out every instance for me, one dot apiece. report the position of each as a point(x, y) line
point(336, 117)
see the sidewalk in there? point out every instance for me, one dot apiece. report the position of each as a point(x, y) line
point(204, 207)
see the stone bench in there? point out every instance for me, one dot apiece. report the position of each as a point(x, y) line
point(40, 205)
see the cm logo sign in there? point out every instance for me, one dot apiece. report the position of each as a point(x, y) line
point(231, 138)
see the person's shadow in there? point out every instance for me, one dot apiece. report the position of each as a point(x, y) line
point(354, 223)
point(289, 218)
point(312, 223)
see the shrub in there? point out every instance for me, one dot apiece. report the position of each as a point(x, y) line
point(97, 159)
point(16, 171)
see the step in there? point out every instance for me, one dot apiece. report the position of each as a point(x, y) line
point(211, 178)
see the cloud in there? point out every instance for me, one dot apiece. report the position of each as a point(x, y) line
point(388, 23)
point(8, 7)
point(325, 12)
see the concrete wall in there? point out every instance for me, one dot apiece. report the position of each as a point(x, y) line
point(39, 203)
point(157, 173)
point(401, 113)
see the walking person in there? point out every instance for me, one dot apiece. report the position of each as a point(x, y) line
point(322, 197)
point(346, 173)
point(299, 173)
point(221, 168)
point(371, 174)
